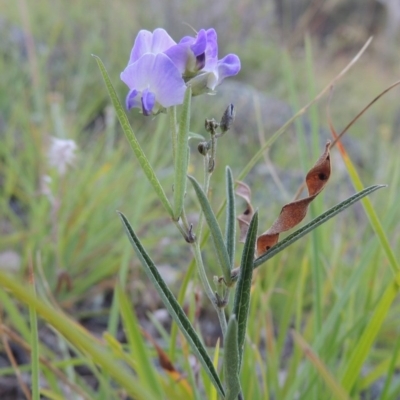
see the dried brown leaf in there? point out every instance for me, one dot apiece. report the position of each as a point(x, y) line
point(294, 212)
point(244, 219)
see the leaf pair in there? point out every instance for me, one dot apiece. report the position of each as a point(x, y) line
point(292, 213)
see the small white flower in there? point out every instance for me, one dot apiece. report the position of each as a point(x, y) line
point(61, 154)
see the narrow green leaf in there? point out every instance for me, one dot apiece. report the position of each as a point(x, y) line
point(242, 294)
point(274, 250)
point(231, 360)
point(181, 156)
point(364, 343)
point(212, 393)
point(173, 306)
point(137, 346)
point(230, 227)
point(219, 244)
point(196, 136)
point(126, 127)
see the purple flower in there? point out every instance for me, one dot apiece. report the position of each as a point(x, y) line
point(154, 81)
point(158, 69)
point(197, 60)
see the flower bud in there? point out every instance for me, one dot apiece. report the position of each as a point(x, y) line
point(227, 118)
point(203, 148)
point(211, 125)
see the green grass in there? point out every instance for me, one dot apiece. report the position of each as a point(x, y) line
point(336, 289)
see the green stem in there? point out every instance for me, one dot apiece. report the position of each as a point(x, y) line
point(207, 287)
point(206, 186)
point(202, 273)
point(181, 229)
point(198, 257)
point(173, 123)
point(185, 220)
point(222, 320)
point(213, 151)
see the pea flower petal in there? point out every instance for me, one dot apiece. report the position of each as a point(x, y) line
point(148, 101)
point(132, 99)
point(197, 60)
point(208, 81)
point(228, 66)
point(150, 42)
point(154, 82)
point(159, 68)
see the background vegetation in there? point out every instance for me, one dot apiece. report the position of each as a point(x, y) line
point(331, 282)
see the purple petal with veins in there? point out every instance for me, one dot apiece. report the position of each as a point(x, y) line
point(148, 42)
point(158, 75)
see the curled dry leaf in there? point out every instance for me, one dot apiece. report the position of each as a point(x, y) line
point(292, 213)
point(244, 219)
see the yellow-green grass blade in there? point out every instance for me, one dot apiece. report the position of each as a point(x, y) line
point(77, 337)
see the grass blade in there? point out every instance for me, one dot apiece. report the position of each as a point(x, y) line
point(371, 214)
point(232, 360)
point(364, 343)
point(391, 370)
point(220, 248)
point(34, 343)
point(335, 388)
point(137, 346)
point(173, 306)
point(242, 295)
point(126, 127)
point(273, 251)
point(181, 155)
point(230, 226)
point(78, 337)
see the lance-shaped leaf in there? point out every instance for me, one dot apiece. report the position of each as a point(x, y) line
point(242, 294)
point(181, 156)
point(230, 227)
point(294, 212)
point(126, 127)
point(173, 306)
point(220, 248)
point(231, 360)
